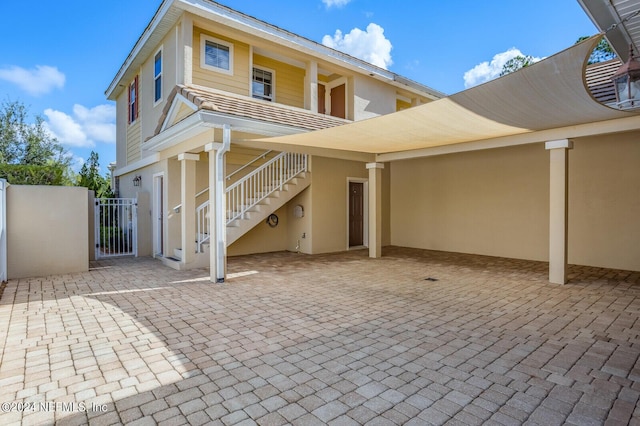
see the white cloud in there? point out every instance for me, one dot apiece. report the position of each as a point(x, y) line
point(37, 81)
point(486, 71)
point(86, 127)
point(370, 45)
point(336, 3)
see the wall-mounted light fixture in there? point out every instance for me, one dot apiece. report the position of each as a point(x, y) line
point(137, 180)
point(627, 82)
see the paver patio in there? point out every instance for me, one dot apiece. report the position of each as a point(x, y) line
point(334, 339)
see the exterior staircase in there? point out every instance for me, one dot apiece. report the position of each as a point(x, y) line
point(249, 201)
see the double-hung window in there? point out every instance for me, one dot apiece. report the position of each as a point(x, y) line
point(157, 77)
point(217, 55)
point(262, 84)
point(133, 100)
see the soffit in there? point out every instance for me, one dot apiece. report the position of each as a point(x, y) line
point(549, 94)
point(608, 15)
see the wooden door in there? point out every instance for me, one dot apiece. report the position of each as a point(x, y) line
point(356, 214)
point(338, 101)
point(321, 99)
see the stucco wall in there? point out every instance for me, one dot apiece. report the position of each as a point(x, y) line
point(493, 202)
point(604, 201)
point(329, 209)
point(496, 202)
point(47, 230)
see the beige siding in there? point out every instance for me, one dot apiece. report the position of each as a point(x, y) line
point(493, 202)
point(238, 82)
point(133, 142)
point(289, 81)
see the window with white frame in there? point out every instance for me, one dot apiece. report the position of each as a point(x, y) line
point(157, 77)
point(216, 54)
point(262, 84)
point(133, 100)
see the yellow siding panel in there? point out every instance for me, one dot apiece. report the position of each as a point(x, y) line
point(133, 142)
point(400, 105)
point(289, 81)
point(238, 82)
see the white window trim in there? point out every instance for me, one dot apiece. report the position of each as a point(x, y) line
point(273, 81)
point(203, 40)
point(161, 75)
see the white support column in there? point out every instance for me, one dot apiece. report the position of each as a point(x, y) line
point(375, 209)
point(311, 87)
point(188, 209)
point(558, 209)
point(217, 206)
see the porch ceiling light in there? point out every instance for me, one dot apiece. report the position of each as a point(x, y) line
point(627, 82)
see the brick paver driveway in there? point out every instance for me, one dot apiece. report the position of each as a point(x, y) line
point(331, 339)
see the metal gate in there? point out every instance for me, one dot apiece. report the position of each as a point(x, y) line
point(116, 223)
point(3, 230)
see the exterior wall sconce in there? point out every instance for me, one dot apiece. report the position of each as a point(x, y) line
point(627, 83)
point(137, 181)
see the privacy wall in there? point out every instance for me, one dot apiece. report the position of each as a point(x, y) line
point(47, 230)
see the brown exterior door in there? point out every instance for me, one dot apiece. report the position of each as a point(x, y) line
point(356, 214)
point(337, 101)
point(321, 97)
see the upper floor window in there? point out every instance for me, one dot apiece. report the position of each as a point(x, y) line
point(262, 84)
point(217, 55)
point(157, 77)
point(133, 100)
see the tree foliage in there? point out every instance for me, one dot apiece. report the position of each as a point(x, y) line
point(28, 153)
point(516, 63)
point(90, 177)
point(602, 52)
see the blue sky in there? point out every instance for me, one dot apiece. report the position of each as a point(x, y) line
point(58, 57)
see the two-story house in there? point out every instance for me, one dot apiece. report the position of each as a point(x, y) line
point(236, 137)
point(201, 84)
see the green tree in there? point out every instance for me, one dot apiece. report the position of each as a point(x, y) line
point(602, 52)
point(514, 64)
point(28, 153)
point(90, 177)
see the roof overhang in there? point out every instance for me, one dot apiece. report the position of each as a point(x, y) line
point(518, 108)
point(612, 17)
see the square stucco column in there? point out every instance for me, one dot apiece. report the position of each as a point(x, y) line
point(558, 209)
point(311, 87)
point(375, 209)
point(188, 209)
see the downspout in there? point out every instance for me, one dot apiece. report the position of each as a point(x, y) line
point(221, 208)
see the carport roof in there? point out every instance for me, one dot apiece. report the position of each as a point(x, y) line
point(547, 95)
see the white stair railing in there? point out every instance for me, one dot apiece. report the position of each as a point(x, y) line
point(203, 225)
point(262, 182)
point(249, 191)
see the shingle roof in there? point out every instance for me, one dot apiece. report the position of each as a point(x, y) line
point(212, 100)
point(598, 77)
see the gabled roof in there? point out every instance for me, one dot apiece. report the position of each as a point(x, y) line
point(203, 98)
point(170, 12)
